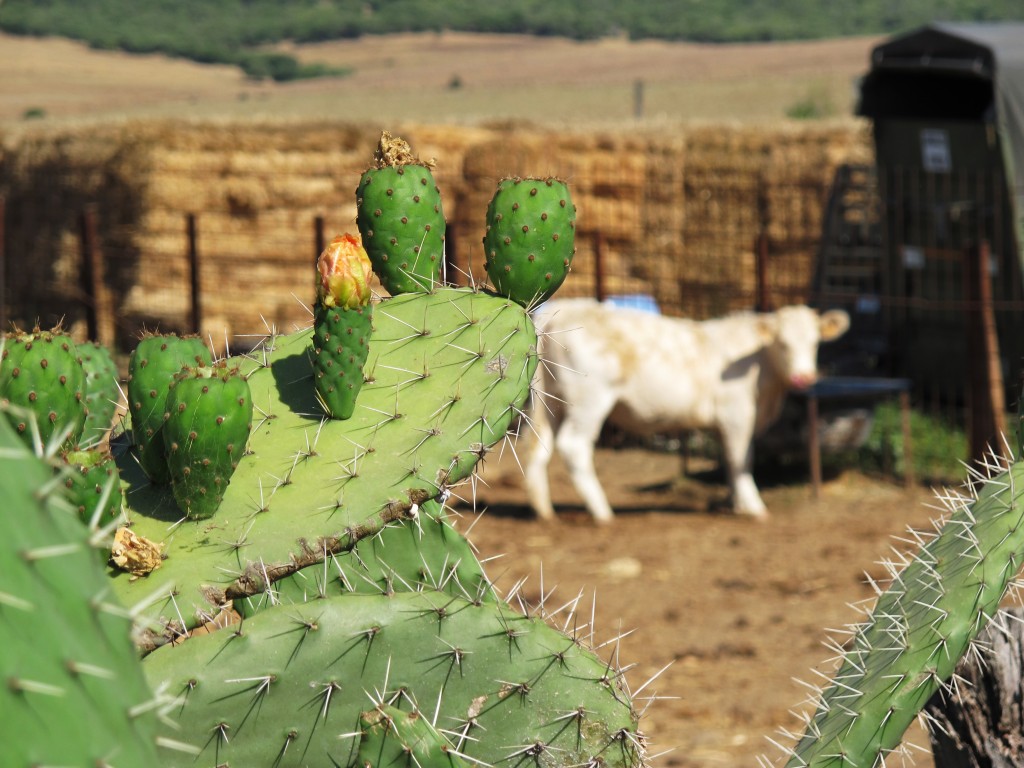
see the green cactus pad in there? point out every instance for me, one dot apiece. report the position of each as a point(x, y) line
point(93, 485)
point(448, 372)
point(102, 393)
point(411, 556)
point(920, 627)
point(207, 422)
point(530, 239)
point(341, 342)
point(391, 736)
point(288, 687)
point(153, 365)
point(41, 372)
point(72, 690)
point(401, 219)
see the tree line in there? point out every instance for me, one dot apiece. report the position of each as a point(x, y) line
point(237, 31)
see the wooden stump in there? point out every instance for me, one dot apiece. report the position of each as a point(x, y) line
point(984, 726)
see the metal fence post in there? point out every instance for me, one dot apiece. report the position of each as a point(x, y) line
point(600, 292)
point(195, 284)
point(318, 237)
point(99, 315)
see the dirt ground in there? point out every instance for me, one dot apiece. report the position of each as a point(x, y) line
point(738, 608)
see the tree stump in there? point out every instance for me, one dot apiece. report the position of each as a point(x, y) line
point(983, 727)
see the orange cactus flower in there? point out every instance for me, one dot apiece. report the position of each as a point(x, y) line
point(344, 272)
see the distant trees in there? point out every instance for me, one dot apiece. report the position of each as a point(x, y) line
point(234, 31)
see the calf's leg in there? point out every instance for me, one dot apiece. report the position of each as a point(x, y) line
point(536, 470)
point(738, 447)
point(575, 441)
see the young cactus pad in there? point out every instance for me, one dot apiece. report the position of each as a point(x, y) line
point(41, 373)
point(73, 692)
point(102, 393)
point(289, 686)
point(400, 218)
point(921, 625)
point(391, 735)
point(447, 371)
point(530, 239)
point(152, 367)
point(342, 324)
point(207, 420)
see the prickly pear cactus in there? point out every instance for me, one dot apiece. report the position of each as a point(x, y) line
point(207, 421)
point(102, 394)
point(921, 625)
point(401, 219)
point(447, 373)
point(41, 373)
point(73, 691)
point(530, 238)
point(93, 485)
point(426, 553)
point(153, 365)
point(288, 687)
point(342, 323)
point(391, 735)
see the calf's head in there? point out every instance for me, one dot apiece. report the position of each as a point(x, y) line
point(792, 335)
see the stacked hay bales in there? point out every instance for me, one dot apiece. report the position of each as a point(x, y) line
point(675, 213)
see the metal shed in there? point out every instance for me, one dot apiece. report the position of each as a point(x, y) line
point(947, 107)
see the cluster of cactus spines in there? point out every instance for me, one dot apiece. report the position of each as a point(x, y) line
point(401, 219)
point(448, 372)
point(41, 371)
point(93, 484)
point(72, 691)
point(342, 323)
point(530, 238)
point(289, 685)
point(207, 420)
point(427, 555)
point(927, 618)
point(102, 393)
point(154, 363)
point(392, 736)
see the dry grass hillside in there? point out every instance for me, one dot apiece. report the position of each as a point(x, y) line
point(446, 77)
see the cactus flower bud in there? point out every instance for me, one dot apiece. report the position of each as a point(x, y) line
point(345, 273)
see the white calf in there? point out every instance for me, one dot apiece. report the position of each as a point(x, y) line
point(647, 373)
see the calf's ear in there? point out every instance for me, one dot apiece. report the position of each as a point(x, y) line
point(833, 324)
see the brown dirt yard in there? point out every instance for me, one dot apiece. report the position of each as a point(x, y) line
point(738, 608)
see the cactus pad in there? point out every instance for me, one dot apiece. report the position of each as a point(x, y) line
point(401, 219)
point(501, 687)
point(207, 422)
point(530, 239)
point(448, 372)
point(341, 342)
point(73, 692)
point(153, 365)
point(41, 372)
point(102, 394)
point(93, 485)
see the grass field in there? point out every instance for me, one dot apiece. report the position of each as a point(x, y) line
point(447, 78)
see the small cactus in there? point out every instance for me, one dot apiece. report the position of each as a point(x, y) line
point(93, 484)
point(401, 219)
point(41, 373)
point(342, 323)
point(207, 422)
point(530, 239)
point(153, 365)
point(102, 393)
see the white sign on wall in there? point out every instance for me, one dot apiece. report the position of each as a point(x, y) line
point(935, 156)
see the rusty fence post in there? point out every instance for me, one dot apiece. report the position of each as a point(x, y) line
point(600, 292)
point(3, 267)
point(318, 237)
point(195, 283)
point(985, 375)
point(762, 301)
point(96, 299)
